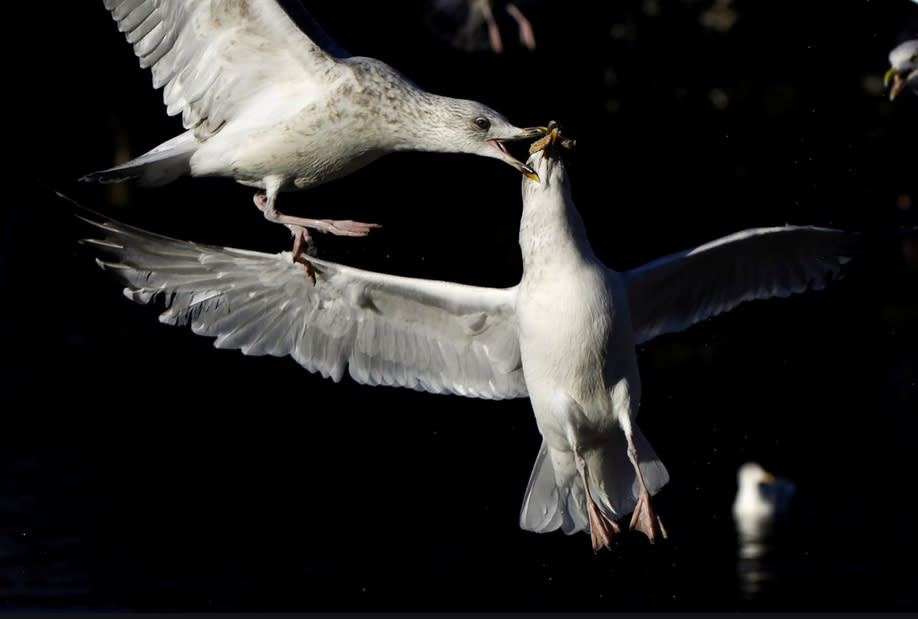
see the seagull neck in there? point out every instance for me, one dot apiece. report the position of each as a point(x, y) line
point(552, 231)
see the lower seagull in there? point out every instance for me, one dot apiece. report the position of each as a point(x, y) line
point(565, 335)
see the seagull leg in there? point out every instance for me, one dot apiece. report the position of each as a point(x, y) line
point(493, 31)
point(527, 36)
point(300, 236)
point(298, 239)
point(342, 227)
point(601, 526)
point(644, 518)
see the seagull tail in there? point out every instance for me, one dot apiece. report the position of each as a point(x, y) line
point(555, 497)
point(613, 482)
point(162, 165)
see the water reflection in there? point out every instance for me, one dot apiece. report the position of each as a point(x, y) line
point(762, 502)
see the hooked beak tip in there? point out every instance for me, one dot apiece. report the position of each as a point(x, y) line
point(895, 77)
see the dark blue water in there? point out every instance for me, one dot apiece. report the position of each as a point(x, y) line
point(142, 469)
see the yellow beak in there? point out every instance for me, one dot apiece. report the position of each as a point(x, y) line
point(894, 76)
point(889, 75)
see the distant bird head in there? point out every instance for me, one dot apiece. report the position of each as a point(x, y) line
point(904, 68)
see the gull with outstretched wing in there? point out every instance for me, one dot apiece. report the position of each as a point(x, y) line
point(268, 99)
point(565, 336)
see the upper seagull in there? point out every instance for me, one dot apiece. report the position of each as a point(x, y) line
point(271, 101)
point(565, 335)
point(903, 70)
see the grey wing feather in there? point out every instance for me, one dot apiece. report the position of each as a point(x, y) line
point(215, 57)
point(674, 292)
point(427, 335)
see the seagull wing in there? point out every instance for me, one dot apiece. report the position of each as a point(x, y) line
point(428, 335)
point(215, 57)
point(676, 291)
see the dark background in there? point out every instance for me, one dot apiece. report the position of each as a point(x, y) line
point(142, 469)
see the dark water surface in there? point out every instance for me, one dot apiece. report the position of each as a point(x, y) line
point(142, 469)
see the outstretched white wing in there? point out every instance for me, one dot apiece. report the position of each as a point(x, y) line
point(676, 291)
point(215, 57)
point(428, 335)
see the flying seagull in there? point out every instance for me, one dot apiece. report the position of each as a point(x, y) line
point(903, 70)
point(565, 335)
point(269, 100)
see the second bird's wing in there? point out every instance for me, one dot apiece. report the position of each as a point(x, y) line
point(427, 335)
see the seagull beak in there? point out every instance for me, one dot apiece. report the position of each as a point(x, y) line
point(894, 76)
point(768, 477)
point(516, 163)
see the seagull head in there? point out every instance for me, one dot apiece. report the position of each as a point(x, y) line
point(480, 130)
point(904, 68)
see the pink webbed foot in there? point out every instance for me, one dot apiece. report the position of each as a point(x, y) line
point(601, 526)
point(646, 520)
point(299, 227)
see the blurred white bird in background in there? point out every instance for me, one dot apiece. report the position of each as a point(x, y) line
point(761, 500)
point(565, 335)
point(269, 100)
point(760, 494)
point(903, 70)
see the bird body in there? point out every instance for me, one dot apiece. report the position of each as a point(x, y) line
point(565, 335)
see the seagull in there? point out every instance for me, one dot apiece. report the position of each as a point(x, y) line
point(760, 495)
point(565, 336)
point(269, 99)
point(761, 501)
point(903, 70)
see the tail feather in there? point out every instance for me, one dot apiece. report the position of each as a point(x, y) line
point(613, 482)
point(162, 165)
point(555, 497)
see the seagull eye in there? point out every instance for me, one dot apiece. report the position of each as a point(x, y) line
point(483, 123)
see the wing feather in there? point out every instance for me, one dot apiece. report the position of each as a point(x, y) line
point(676, 291)
point(215, 57)
point(427, 335)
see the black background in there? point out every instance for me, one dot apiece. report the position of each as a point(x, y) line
point(142, 469)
